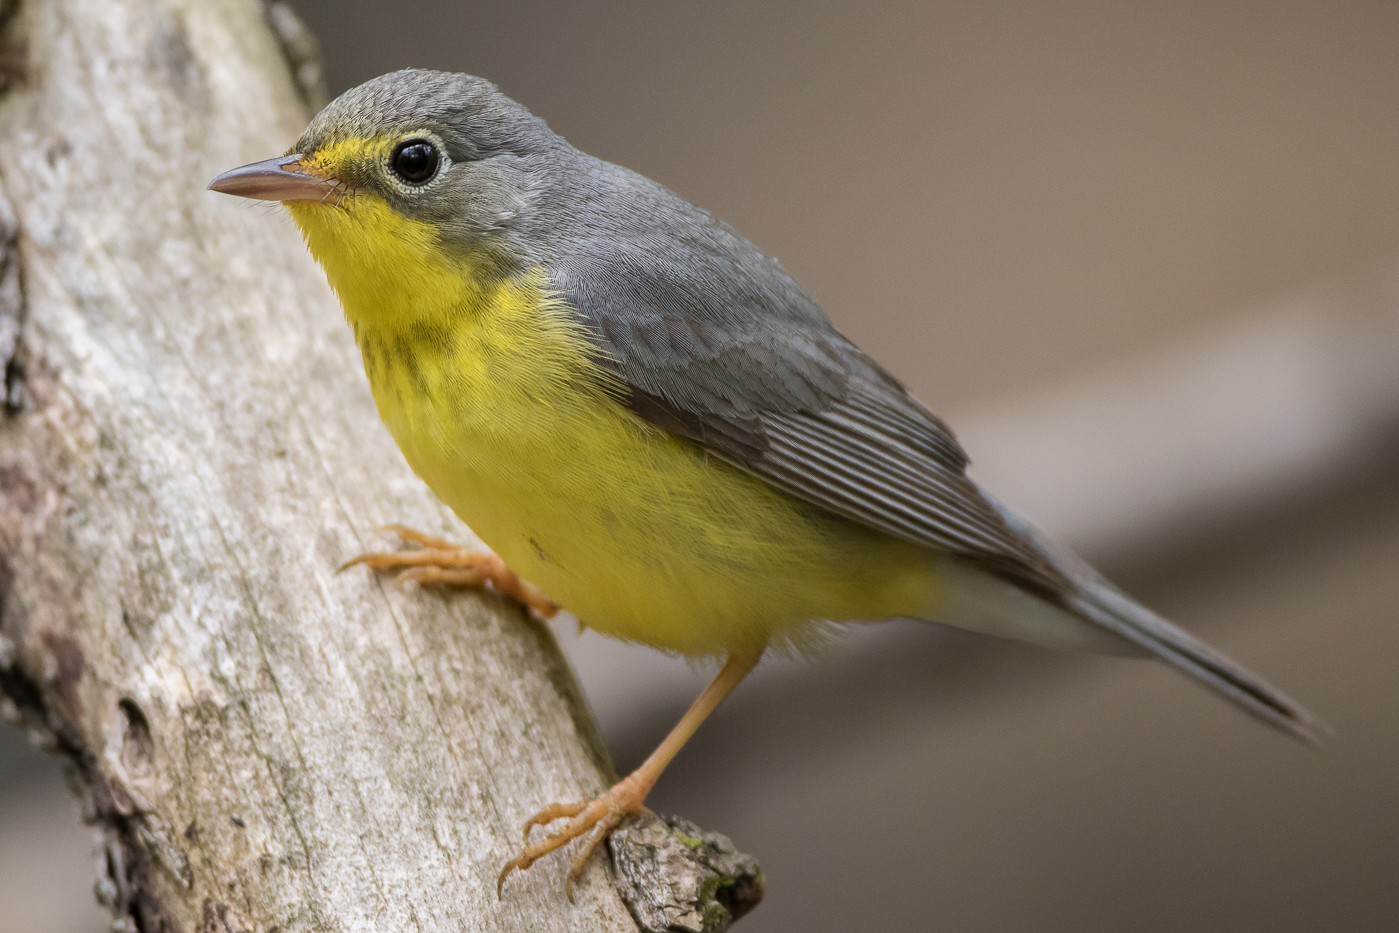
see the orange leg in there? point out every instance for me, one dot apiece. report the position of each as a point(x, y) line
point(600, 816)
point(437, 560)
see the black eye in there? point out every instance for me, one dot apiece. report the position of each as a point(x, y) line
point(414, 160)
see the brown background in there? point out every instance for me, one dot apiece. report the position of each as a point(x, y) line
point(993, 199)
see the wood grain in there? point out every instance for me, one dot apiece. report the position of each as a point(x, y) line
point(189, 451)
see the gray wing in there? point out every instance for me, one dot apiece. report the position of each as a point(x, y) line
point(714, 342)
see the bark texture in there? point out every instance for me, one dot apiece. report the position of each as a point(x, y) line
point(188, 451)
point(677, 878)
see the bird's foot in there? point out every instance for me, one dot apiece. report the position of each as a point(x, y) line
point(437, 560)
point(596, 817)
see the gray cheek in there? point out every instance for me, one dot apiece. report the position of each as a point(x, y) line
point(488, 197)
point(500, 205)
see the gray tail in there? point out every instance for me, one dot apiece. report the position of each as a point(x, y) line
point(1094, 599)
point(1105, 606)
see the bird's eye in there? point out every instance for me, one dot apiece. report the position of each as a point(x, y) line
point(414, 160)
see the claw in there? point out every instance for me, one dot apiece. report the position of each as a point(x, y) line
point(600, 832)
point(602, 814)
point(597, 818)
point(437, 560)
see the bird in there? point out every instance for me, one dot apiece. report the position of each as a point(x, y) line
point(650, 423)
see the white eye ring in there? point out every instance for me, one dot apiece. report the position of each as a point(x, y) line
point(435, 158)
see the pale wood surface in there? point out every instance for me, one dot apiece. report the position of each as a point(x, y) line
point(264, 744)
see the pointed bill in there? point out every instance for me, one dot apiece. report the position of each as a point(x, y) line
point(280, 179)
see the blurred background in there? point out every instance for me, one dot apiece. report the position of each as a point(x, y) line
point(1144, 257)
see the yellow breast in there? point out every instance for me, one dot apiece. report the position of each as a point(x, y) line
point(492, 393)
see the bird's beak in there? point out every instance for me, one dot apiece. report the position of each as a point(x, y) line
point(281, 179)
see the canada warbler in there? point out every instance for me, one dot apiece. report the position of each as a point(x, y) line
point(649, 421)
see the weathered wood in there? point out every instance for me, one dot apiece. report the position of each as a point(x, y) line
point(188, 452)
point(677, 878)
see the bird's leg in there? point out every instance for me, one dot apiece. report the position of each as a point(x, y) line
point(437, 560)
point(600, 816)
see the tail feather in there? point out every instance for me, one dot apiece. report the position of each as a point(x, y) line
point(1110, 609)
point(1094, 599)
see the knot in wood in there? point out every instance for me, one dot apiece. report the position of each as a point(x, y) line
point(677, 878)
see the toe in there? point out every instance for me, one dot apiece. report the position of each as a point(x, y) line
point(596, 818)
point(555, 811)
point(600, 832)
point(414, 536)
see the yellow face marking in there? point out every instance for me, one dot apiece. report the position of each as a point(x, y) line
point(333, 158)
point(384, 266)
point(441, 330)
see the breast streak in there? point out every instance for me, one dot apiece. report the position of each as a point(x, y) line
point(642, 535)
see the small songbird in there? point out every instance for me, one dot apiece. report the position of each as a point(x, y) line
point(650, 422)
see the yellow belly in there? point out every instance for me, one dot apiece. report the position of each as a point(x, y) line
point(492, 393)
point(645, 538)
point(642, 535)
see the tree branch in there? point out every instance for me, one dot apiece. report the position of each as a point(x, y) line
point(189, 452)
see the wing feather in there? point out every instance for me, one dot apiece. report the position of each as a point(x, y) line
point(749, 368)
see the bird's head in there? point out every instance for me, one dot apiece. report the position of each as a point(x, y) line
point(408, 179)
